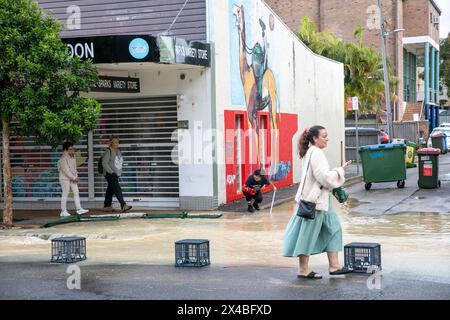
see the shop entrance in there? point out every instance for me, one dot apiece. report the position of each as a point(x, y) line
point(146, 128)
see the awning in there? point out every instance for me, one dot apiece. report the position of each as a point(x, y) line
point(416, 45)
point(140, 48)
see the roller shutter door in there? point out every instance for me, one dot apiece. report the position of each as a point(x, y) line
point(146, 128)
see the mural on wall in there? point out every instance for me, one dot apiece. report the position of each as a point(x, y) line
point(34, 170)
point(255, 86)
point(238, 151)
point(257, 79)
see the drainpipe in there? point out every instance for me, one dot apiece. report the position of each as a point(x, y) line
point(431, 93)
point(396, 57)
point(427, 84)
point(438, 65)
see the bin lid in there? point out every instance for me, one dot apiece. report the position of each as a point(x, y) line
point(438, 135)
point(192, 241)
point(383, 147)
point(429, 151)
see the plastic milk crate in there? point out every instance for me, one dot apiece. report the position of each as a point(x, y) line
point(68, 249)
point(192, 253)
point(363, 257)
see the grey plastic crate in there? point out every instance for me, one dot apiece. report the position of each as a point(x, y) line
point(192, 253)
point(363, 257)
point(68, 249)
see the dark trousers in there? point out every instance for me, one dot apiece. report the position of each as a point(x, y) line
point(113, 189)
point(257, 196)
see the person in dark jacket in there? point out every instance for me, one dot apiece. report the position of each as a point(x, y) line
point(112, 162)
point(252, 189)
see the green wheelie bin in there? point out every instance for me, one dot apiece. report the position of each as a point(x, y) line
point(383, 163)
point(439, 141)
point(429, 168)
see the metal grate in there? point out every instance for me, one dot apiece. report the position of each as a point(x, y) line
point(148, 142)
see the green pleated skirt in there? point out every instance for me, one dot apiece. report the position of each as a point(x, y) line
point(309, 237)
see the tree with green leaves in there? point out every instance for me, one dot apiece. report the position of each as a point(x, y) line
point(444, 70)
point(40, 85)
point(363, 67)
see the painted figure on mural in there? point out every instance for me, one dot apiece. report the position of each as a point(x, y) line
point(258, 82)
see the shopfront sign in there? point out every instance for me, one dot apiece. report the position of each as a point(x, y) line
point(196, 53)
point(114, 49)
point(117, 84)
point(140, 48)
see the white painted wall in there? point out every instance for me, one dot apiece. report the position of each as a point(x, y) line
point(309, 85)
point(196, 176)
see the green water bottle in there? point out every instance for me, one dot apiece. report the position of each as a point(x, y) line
point(340, 195)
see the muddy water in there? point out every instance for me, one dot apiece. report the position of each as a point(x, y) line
point(414, 244)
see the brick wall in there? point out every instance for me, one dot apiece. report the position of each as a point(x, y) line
point(432, 27)
point(341, 17)
point(293, 11)
point(418, 19)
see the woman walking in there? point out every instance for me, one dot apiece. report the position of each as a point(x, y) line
point(112, 162)
point(68, 178)
point(304, 237)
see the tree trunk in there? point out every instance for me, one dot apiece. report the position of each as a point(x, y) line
point(7, 178)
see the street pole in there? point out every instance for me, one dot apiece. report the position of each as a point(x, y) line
point(385, 71)
point(357, 143)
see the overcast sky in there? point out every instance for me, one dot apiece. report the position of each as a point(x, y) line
point(445, 17)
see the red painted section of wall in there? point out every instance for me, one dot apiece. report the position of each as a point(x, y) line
point(287, 124)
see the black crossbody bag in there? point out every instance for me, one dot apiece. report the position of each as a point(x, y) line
point(307, 209)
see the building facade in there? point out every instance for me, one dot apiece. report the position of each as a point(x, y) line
point(200, 93)
point(420, 40)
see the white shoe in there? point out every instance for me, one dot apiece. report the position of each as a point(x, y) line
point(64, 214)
point(82, 211)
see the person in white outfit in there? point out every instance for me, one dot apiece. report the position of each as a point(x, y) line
point(68, 178)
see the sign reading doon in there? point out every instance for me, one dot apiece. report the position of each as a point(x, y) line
point(139, 48)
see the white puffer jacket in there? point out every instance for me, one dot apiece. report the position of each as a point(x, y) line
point(319, 174)
point(67, 167)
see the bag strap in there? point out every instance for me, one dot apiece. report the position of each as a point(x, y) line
point(306, 172)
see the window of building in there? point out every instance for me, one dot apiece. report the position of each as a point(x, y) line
point(409, 76)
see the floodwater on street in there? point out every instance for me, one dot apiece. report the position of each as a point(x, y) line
point(412, 244)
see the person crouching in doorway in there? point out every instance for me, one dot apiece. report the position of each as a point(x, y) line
point(68, 178)
point(252, 190)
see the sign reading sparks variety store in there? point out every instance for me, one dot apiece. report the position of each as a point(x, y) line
point(140, 48)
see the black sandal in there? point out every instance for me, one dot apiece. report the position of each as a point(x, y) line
point(343, 270)
point(311, 275)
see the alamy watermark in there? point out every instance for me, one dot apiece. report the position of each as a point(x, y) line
point(374, 281)
point(73, 21)
point(199, 145)
point(74, 280)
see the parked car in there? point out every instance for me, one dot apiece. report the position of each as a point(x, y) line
point(383, 137)
point(445, 125)
point(437, 130)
